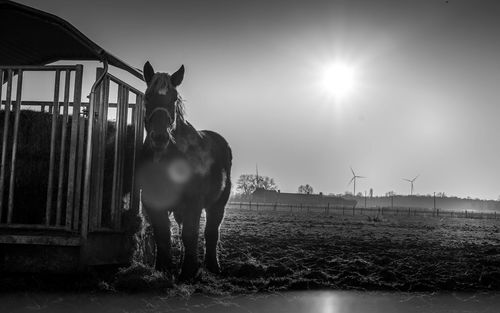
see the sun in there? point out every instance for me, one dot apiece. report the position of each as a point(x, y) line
point(338, 79)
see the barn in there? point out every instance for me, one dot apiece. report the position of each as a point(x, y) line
point(67, 200)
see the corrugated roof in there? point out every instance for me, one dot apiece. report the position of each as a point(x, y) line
point(32, 37)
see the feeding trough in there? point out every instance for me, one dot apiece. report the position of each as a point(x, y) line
point(67, 199)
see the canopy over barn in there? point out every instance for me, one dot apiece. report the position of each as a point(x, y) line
point(33, 37)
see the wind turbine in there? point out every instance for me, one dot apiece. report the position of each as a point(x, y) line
point(411, 181)
point(353, 179)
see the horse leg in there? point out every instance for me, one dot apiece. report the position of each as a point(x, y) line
point(189, 233)
point(215, 214)
point(161, 230)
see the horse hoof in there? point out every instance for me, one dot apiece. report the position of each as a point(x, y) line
point(165, 268)
point(213, 267)
point(187, 276)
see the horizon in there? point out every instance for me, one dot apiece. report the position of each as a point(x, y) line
point(422, 98)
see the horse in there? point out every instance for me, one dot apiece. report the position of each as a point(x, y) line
point(196, 169)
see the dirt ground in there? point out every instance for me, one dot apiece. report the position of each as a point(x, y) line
point(279, 251)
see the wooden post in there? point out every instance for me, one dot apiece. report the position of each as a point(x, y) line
point(434, 201)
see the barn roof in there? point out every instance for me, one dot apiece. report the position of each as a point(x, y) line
point(32, 37)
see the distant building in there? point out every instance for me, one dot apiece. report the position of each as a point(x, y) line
point(271, 196)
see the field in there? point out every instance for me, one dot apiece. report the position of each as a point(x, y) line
point(278, 251)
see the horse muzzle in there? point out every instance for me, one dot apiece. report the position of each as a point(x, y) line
point(159, 140)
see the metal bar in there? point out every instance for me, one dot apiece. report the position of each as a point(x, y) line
point(122, 151)
point(122, 83)
point(30, 226)
point(55, 114)
point(77, 94)
point(62, 154)
point(96, 213)
point(138, 138)
point(114, 192)
point(103, 139)
point(100, 146)
point(40, 240)
point(88, 167)
point(49, 104)
point(14, 145)
point(93, 213)
point(5, 134)
point(42, 68)
point(79, 170)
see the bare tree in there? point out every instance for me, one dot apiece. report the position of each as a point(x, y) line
point(307, 189)
point(247, 183)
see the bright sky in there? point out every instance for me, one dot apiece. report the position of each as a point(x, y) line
point(424, 98)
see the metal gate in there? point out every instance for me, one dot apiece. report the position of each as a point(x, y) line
point(85, 159)
point(61, 205)
point(117, 136)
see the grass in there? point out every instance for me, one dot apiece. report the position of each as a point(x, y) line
point(278, 251)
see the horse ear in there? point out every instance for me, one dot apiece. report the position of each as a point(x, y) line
point(178, 76)
point(148, 72)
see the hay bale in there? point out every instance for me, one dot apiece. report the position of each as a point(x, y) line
point(32, 166)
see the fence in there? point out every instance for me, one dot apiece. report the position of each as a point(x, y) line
point(62, 193)
point(353, 211)
point(127, 117)
point(75, 171)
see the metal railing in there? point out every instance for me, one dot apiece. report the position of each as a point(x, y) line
point(104, 215)
point(68, 205)
point(63, 191)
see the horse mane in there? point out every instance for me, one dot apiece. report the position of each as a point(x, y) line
point(161, 83)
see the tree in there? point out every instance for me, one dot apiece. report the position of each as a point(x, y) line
point(247, 183)
point(307, 189)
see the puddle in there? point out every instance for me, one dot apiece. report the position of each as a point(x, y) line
point(290, 302)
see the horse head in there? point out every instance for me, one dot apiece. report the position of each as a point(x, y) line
point(163, 108)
